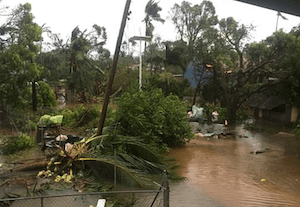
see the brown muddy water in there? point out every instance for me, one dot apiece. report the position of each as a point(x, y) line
point(224, 172)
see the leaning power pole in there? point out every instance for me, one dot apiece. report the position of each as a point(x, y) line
point(113, 69)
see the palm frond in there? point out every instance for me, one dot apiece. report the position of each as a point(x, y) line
point(94, 138)
point(135, 146)
point(142, 151)
point(138, 163)
point(104, 167)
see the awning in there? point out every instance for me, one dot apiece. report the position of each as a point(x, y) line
point(286, 6)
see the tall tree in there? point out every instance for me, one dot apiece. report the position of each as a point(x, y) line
point(191, 21)
point(82, 53)
point(152, 13)
point(18, 66)
point(236, 66)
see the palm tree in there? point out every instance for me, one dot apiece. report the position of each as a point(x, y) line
point(78, 52)
point(152, 13)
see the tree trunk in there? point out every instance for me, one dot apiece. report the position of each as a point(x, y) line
point(34, 99)
point(231, 112)
point(167, 87)
point(195, 96)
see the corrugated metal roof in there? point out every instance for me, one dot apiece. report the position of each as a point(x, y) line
point(286, 6)
point(264, 101)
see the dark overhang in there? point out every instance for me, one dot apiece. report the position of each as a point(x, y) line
point(286, 6)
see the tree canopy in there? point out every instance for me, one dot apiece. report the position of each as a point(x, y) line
point(152, 14)
point(19, 49)
point(239, 66)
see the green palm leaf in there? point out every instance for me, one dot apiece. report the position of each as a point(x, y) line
point(132, 144)
point(135, 162)
point(104, 167)
point(142, 151)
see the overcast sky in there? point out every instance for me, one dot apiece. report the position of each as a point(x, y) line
point(62, 16)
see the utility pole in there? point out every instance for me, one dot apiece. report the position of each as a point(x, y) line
point(113, 69)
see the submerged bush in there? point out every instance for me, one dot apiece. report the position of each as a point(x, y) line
point(14, 144)
point(154, 117)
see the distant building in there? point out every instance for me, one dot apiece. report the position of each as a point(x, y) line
point(178, 77)
point(272, 108)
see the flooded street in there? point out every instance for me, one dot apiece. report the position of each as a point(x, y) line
point(224, 172)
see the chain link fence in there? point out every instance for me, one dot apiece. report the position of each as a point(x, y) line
point(134, 198)
point(141, 198)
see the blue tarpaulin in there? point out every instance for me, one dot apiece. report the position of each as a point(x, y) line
point(197, 74)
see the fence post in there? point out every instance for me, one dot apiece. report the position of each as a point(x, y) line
point(166, 190)
point(42, 202)
point(115, 168)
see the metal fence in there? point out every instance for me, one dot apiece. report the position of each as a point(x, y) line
point(136, 198)
point(154, 198)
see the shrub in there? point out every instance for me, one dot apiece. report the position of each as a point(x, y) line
point(85, 116)
point(45, 95)
point(221, 111)
point(172, 86)
point(28, 126)
point(14, 144)
point(69, 116)
point(241, 115)
point(153, 117)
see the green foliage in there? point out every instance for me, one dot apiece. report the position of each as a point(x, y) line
point(20, 119)
point(153, 117)
point(124, 78)
point(84, 69)
point(241, 115)
point(32, 125)
point(222, 113)
point(169, 85)
point(26, 125)
point(14, 144)
point(78, 116)
point(124, 200)
point(152, 13)
point(45, 95)
point(85, 117)
point(297, 129)
point(253, 127)
point(135, 159)
point(17, 60)
point(191, 21)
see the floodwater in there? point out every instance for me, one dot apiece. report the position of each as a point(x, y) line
point(224, 172)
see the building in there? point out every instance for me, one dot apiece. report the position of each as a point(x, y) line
point(272, 108)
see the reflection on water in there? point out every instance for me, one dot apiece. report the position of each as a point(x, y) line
point(223, 172)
